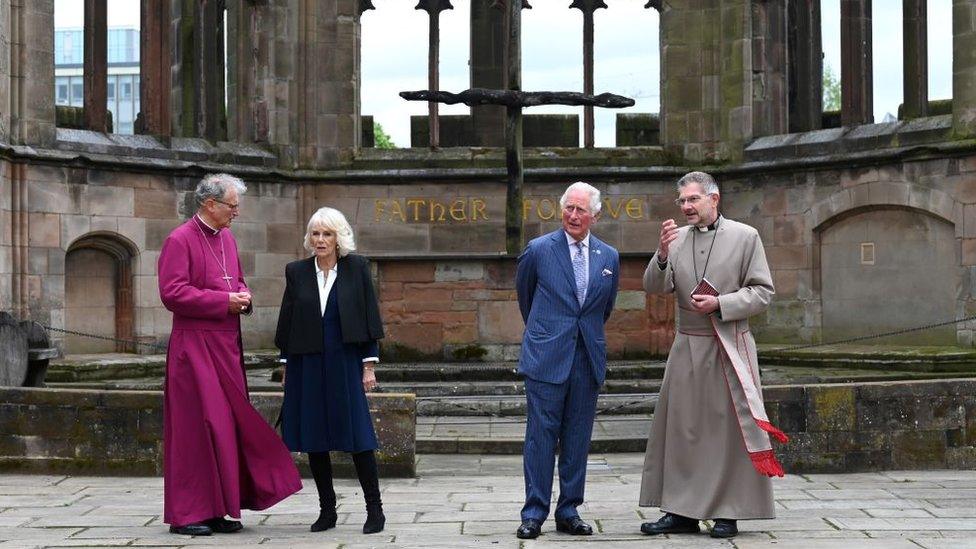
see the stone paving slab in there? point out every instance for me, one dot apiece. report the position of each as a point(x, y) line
point(474, 500)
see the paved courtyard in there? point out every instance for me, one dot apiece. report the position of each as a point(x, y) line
point(473, 501)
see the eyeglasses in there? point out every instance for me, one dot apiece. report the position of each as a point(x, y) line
point(228, 204)
point(570, 209)
point(693, 199)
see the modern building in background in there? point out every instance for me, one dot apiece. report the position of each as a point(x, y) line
point(123, 73)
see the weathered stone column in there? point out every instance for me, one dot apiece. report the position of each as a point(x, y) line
point(154, 67)
point(805, 67)
point(706, 78)
point(964, 67)
point(197, 95)
point(487, 56)
point(29, 27)
point(857, 100)
point(327, 82)
point(96, 65)
point(770, 104)
point(915, 74)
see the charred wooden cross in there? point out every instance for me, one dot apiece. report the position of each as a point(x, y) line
point(514, 99)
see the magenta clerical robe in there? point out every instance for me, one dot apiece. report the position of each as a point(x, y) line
point(219, 454)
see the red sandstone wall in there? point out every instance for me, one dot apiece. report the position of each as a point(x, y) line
point(468, 309)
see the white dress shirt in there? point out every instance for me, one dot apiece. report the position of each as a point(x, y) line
point(325, 282)
point(586, 255)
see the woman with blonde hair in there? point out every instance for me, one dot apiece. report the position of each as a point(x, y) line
point(328, 329)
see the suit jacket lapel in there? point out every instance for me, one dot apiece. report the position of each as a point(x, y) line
point(309, 282)
point(596, 265)
point(561, 249)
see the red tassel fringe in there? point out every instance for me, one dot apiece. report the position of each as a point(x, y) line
point(765, 462)
point(776, 433)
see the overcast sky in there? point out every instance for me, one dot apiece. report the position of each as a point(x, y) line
point(394, 54)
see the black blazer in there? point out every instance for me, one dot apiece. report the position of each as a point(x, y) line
point(300, 317)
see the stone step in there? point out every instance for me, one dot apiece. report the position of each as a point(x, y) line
point(501, 388)
point(514, 406)
point(479, 435)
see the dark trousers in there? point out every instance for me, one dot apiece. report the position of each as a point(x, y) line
point(558, 413)
point(321, 465)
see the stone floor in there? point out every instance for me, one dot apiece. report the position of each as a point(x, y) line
point(473, 501)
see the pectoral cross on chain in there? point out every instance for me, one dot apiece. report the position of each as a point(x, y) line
point(227, 279)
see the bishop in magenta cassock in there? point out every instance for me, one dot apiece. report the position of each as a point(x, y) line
point(219, 454)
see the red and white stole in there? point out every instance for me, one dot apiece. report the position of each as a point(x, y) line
point(747, 400)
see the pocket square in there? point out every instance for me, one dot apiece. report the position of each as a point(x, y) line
point(607, 272)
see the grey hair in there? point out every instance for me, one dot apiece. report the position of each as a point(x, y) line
point(333, 220)
point(707, 182)
point(216, 185)
point(595, 203)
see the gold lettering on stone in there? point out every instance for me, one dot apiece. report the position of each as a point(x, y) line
point(526, 208)
point(635, 208)
point(396, 210)
point(608, 204)
point(437, 211)
point(478, 207)
point(551, 214)
point(416, 203)
point(458, 210)
point(377, 210)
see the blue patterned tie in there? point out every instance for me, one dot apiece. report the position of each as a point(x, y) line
point(579, 271)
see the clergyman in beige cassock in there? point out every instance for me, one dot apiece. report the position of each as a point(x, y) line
point(708, 454)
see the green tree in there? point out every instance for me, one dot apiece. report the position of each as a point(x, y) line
point(381, 139)
point(831, 89)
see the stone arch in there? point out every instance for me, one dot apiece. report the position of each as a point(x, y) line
point(884, 194)
point(99, 292)
point(903, 234)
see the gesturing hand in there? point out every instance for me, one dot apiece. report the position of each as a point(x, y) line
point(669, 232)
point(238, 302)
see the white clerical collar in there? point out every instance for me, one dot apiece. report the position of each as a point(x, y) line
point(710, 227)
point(335, 268)
point(207, 225)
point(572, 241)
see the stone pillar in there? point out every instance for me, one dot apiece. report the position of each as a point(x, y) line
point(706, 78)
point(805, 66)
point(964, 67)
point(857, 101)
point(154, 67)
point(770, 104)
point(487, 55)
point(30, 28)
point(262, 51)
point(327, 82)
point(197, 95)
point(915, 74)
point(5, 63)
point(96, 65)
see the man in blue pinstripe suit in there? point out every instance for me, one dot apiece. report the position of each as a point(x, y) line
point(566, 283)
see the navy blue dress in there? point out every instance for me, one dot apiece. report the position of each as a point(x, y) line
point(325, 405)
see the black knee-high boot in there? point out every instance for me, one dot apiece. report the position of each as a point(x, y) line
point(370, 481)
point(321, 467)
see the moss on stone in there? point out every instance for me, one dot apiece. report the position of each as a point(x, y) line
point(469, 352)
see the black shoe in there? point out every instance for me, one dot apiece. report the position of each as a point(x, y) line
point(671, 524)
point(198, 529)
point(327, 520)
point(529, 529)
point(220, 525)
point(375, 519)
point(574, 526)
point(724, 528)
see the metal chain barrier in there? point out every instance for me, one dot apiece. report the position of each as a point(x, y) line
point(877, 336)
point(105, 338)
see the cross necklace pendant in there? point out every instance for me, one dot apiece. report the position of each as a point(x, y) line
point(222, 262)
